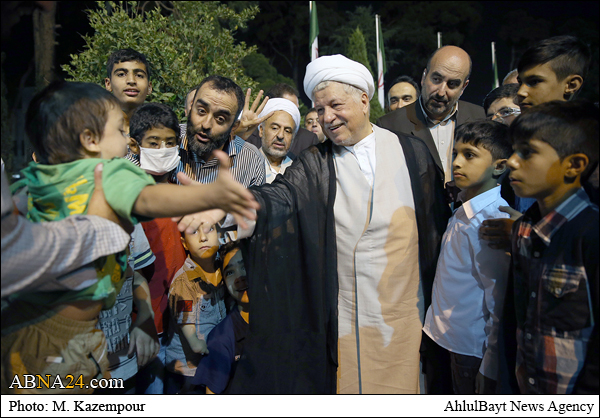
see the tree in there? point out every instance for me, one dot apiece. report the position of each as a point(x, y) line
point(363, 18)
point(43, 35)
point(183, 43)
point(258, 67)
point(357, 51)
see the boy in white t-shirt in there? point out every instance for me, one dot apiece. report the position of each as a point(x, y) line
point(470, 277)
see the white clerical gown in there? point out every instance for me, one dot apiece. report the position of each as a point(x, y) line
point(381, 307)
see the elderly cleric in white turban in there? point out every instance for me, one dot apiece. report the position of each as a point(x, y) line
point(338, 68)
point(287, 106)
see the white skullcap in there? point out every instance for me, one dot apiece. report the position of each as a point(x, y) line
point(285, 105)
point(338, 68)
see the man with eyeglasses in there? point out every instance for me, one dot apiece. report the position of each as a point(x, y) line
point(501, 104)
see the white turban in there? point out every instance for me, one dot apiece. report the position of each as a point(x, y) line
point(287, 106)
point(338, 68)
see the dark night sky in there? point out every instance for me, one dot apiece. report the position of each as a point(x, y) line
point(73, 22)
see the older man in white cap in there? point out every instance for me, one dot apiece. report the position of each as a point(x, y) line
point(342, 257)
point(277, 134)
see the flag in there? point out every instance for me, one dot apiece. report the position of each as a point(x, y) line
point(313, 41)
point(380, 62)
point(495, 66)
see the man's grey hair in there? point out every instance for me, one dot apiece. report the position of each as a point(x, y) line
point(355, 92)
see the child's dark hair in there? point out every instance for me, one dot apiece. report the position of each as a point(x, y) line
point(228, 247)
point(567, 55)
point(58, 114)
point(568, 127)
point(488, 134)
point(152, 115)
point(228, 86)
point(505, 90)
point(124, 55)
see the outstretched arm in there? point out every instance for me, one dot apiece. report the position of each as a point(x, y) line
point(35, 254)
point(169, 200)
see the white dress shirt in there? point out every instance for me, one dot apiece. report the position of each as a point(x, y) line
point(270, 171)
point(364, 151)
point(443, 137)
point(461, 313)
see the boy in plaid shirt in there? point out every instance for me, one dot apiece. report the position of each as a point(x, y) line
point(552, 302)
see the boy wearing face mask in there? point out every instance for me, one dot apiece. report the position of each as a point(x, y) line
point(155, 129)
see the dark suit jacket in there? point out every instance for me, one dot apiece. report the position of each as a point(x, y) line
point(303, 140)
point(411, 120)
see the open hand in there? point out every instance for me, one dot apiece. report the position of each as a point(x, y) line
point(225, 194)
point(250, 120)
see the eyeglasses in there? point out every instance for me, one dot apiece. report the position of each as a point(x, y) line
point(504, 113)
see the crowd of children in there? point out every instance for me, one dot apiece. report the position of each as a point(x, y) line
point(170, 314)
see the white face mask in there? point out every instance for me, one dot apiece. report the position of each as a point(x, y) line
point(159, 161)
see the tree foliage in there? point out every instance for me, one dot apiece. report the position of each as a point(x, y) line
point(183, 45)
point(363, 18)
point(259, 68)
point(357, 51)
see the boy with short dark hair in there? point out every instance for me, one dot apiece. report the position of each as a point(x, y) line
point(470, 276)
point(552, 299)
point(553, 69)
point(72, 126)
point(128, 78)
point(155, 128)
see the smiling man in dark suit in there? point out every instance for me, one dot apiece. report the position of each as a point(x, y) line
point(437, 112)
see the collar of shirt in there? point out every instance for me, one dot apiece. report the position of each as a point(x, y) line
point(549, 224)
point(195, 272)
point(284, 163)
point(430, 122)
point(364, 152)
point(475, 205)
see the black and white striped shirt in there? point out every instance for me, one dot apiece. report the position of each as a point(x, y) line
point(247, 164)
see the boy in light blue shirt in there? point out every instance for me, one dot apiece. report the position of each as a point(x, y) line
point(470, 276)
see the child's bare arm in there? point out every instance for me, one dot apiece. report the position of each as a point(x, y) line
point(196, 344)
point(168, 200)
point(143, 336)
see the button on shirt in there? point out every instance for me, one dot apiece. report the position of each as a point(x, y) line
point(463, 300)
point(443, 137)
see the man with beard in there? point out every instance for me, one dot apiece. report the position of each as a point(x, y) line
point(304, 138)
point(342, 257)
point(437, 113)
point(214, 115)
point(277, 134)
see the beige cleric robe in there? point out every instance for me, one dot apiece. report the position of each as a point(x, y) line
point(381, 307)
